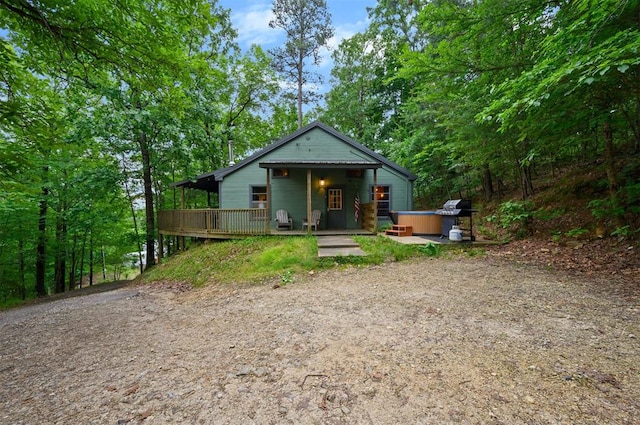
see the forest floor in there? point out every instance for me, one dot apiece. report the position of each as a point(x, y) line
point(530, 333)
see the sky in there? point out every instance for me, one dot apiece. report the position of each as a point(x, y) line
point(251, 19)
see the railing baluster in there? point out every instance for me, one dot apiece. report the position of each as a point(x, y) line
point(206, 222)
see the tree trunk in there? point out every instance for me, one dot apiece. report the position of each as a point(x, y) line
point(300, 89)
point(72, 266)
point(60, 269)
point(21, 280)
point(527, 180)
point(148, 200)
point(41, 251)
point(104, 264)
point(84, 244)
point(487, 183)
point(91, 259)
point(610, 168)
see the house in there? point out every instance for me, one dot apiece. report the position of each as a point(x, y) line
point(314, 168)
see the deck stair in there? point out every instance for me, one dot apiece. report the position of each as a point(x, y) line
point(399, 230)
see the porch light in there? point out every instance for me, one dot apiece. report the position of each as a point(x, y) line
point(322, 182)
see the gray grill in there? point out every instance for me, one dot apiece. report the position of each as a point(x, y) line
point(451, 212)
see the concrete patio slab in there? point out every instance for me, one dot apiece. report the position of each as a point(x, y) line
point(338, 245)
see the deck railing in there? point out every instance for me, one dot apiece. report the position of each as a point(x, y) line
point(211, 222)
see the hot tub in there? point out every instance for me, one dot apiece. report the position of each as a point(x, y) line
point(422, 222)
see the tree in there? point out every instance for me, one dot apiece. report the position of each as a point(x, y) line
point(356, 101)
point(585, 76)
point(307, 24)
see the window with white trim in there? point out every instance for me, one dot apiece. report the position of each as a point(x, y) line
point(381, 195)
point(258, 197)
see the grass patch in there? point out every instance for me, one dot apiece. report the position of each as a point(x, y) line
point(243, 260)
point(276, 257)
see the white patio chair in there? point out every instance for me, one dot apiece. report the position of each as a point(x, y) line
point(315, 220)
point(283, 221)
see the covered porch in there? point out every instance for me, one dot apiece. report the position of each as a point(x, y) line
point(316, 185)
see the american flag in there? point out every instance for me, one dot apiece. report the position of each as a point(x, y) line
point(356, 207)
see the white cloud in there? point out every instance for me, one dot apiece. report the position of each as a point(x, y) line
point(342, 32)
point(252, 24)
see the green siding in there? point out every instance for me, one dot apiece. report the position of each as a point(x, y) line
point(291, 193)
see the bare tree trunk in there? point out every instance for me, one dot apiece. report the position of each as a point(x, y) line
point(300, 90)
point(41, 252)
point(610, 167)
point(91, 259)
point(148, 200)
point(21, 280)
point(487, 183)
point(104, 264)
point(84, 244)
point(72, 267)
point(527, 181)
point(60, 271)
point(133, 215)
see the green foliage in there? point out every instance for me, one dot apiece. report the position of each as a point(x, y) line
point(514, 216)
point(514, 212)
point(625, 231)
point(546, 214)
point(605, 208)
point(430, 250)
point(287, 277)
point(577, 232)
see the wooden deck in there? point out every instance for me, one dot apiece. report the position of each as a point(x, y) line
point(228, 224)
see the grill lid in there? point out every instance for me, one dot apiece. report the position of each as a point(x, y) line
point(457, 204)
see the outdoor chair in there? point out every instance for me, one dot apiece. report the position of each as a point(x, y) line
point(315, 220)
point(283, 221)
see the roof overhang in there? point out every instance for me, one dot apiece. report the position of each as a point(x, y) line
point(344, 165)
point(208, 184)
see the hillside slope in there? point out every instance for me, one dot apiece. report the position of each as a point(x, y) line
point(560, 230)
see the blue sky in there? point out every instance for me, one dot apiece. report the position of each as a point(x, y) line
point(251, 19)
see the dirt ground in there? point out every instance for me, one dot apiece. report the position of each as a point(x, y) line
point(470, 340)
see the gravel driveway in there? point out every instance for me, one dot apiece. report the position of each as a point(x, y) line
point(463, 340)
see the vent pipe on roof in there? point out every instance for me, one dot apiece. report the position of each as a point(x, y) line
point(231, 161)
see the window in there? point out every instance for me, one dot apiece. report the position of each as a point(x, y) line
point(280, 173)
point(381, 195)
point(334, 197)
point(258, 197)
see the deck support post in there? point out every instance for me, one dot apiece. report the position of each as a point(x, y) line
point(375, 201)
point(267, 219)
point(309, 200)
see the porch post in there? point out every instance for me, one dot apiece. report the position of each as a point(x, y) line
point(375, 201)
point(267, 219)
point(182, 200)
point(309, 200)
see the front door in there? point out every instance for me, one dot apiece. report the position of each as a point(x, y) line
point(336, 217)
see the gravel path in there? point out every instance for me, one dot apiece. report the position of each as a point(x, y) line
point(464, 340)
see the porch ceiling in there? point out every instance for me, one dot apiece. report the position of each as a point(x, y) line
point(320, 164)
